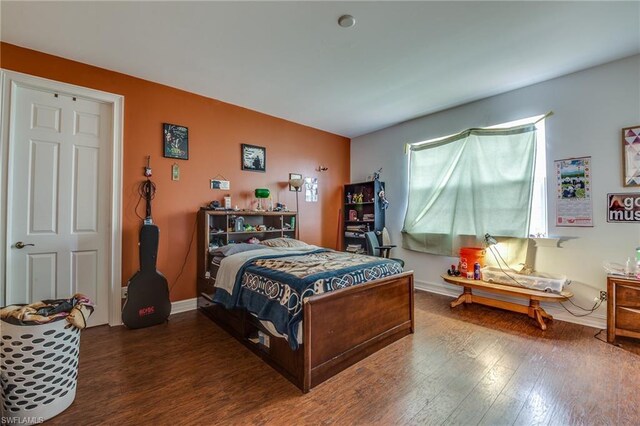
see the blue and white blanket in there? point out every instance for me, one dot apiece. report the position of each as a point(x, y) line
point(272, 283)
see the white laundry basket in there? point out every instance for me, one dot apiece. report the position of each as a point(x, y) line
point(38, 369)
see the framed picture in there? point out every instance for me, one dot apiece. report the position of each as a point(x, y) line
point(311, 189)
point(254, 158)
point(176, 141)
point(631, 155)
point(294, 176)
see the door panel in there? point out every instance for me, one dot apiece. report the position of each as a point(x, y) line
point(41, 276)
point(87, 124)
point(59, 199)
point(85, 194)
point(84, 266)
point(43, 187)
point(45, 117)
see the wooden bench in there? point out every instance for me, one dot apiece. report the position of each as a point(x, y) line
point(533, 310)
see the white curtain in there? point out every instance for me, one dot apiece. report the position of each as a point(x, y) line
point(476, 182)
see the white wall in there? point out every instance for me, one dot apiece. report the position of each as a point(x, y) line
point(590, 109)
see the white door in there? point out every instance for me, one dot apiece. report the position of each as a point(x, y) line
point(58, 199)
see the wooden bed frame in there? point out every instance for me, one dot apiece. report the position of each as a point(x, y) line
point(339, 328)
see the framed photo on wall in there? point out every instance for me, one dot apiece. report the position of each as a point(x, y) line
point(254, 158)
point(175, 141)
point(631, 155)
point(294, 176)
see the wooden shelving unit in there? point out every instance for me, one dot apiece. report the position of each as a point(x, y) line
point(370, 207)
point(217, 228)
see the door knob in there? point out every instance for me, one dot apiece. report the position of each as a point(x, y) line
point(21, 245)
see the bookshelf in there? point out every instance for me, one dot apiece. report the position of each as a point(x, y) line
point(217, 228)
point(363, 215)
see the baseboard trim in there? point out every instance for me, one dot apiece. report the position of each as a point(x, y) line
point(184, 305)
point(595, 320)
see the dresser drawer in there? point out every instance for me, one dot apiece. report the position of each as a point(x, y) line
point(628, 318)
point(627, 295)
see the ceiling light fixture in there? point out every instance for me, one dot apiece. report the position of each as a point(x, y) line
point(346, 21)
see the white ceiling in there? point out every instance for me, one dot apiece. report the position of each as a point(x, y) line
point(291, 60)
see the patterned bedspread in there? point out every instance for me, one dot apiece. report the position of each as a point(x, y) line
point(273, 287)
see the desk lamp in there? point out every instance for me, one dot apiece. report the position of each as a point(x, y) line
point(261, 193)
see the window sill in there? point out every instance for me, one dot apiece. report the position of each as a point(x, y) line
point(547, 242)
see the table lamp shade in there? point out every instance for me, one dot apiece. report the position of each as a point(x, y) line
point(262, 193)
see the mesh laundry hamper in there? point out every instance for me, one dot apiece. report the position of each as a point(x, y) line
point(38, 369)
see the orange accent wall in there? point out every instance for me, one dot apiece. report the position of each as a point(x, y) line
point(216, 130)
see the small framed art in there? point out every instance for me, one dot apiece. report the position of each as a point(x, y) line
point(294, 176)
point(631, 155)
point(254, 158)
point(175, 141)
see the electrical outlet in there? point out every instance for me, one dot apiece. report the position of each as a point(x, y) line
point(124, 292)
point(603, 295)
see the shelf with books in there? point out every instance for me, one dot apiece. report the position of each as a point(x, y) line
point(362, 212)
point(218, 228)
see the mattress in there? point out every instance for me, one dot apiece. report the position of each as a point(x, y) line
point(272, 283)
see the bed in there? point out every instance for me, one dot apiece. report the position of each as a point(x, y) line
point(307, 311)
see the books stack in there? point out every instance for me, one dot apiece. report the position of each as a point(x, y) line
point(355, 248)
point(356, 228)
point(368, 217)
point(353, 235)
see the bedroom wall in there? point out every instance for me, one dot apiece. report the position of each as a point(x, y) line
point(591, 107)
point(216, 130)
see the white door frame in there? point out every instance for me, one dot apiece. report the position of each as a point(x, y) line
point(9, 81)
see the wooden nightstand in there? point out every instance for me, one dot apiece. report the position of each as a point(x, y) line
point(623, 307)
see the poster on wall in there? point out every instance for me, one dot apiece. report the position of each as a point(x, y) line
point(176, 141)
point(311, 190)
point(623, 208)
point(573, 192)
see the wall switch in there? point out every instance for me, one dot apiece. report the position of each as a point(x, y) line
point(220, 184)
point(124, 292)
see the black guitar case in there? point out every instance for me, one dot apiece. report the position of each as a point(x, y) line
point(147, 300)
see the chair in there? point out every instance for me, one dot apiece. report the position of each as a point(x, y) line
point(375, 249)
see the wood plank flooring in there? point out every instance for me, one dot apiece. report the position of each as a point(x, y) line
point(466, 366)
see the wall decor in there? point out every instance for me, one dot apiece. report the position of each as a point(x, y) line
point(220, 184)
point(573, 192)
point(294, 177)
point(623, 208)
point(175, 172)
point(254, 158)
point(311, 190)
point(176, 141)
point(631, 155)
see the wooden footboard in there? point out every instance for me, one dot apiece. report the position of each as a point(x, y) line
point(340, 328)
point(345, 326)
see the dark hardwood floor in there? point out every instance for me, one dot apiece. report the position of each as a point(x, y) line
point(466, 366)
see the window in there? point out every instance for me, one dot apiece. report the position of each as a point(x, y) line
point(481, 180)
point(538, 223)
